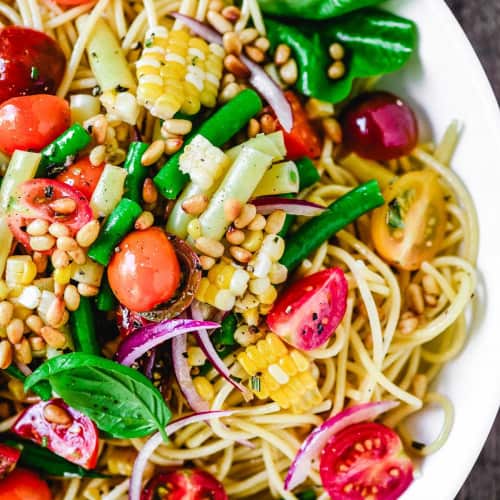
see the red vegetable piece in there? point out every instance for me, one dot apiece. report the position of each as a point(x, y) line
point(8, 459)
point(23, 484)
point(366, 457)
point(184, 484)
point(379, 126)
point(128, 321)
point(74, 438)
point(31, 122)
point(82, 175)
point(30, 63)
point(308, 312)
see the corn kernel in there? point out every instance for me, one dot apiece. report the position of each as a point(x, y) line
point(62, 275)
point(4, 290)
point(269, 296)
point(253, 240)
point(195, 356)
point(20, 270)
point(204, 388)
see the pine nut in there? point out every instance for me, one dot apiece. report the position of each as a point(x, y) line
point(248, 212)
point(229, 92)
point(218, 22)
point(88, 233)
point(267, 123)
point(60, 259)
point(87, 290)
point(240, 254)
point(34, 323)
point(232, 43)
point(227, 79)
point(55, 312)
point(59, 289)
point(42, 243)
point(177, 127)
point(71, 298)
point(58, 230)
point(275, 222)
point(15, 330)
point(78, 256)
point(38, 227)
point(98, 126)
point(97, 155)
point(235, 236)
point(430, 285)
point(253, 128)
point(282, 54)
point(195, 205)
point(149, 192)
point(336, 70)
point(333, 130)
point(66, 243)
point(144, 221)
point(40, 260)
point(258, 223)
point(408, 323)
point(6, 313)
point(289, 72)
point(262, 43)
point(53, 337)
point(254, 54)
point(22, 352)
point(232, 209)
point(5, 354)
point(236, 66)
point(431, 300)
point(207, 262)
point(153, 153)
point(57, 415)
point(37, 344)
point(248, 35)
point(317, 109)
point(336, 51)
point(210, 247)
point(216, 5)
point(231, 13)
point(415, 298)
point(63, 206)
point(172, 145)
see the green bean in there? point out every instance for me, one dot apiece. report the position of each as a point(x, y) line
point(42, 388)
point(218, 129)
point(308, 173)
point(83, 328)
point(105, 300)
point(136, 172)
point(118, 224)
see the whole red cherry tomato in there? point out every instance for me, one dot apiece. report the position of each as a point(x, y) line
point(23, 484)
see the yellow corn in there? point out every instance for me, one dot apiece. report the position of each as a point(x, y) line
point(228, 276)
point(211, 294)
point(62, 275)
point(20, 270)
point(121, 461)
point(204, 388)
point(280, 373)
point(4, 290)
point(213, 74)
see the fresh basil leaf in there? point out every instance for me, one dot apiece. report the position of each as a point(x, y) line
point(119, 399)
point(394, 217)
point(314, 9)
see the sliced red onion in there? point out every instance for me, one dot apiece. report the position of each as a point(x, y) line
point(259, 79)
point(268, 204)
point(150, 336)
point(316, 441)
point(154, 441)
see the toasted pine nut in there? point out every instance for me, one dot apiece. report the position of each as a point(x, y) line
point(207, 262)
point(177, 126)
point(55, 312)
point(232, 43)
point(98, 126)
point(37, 343)
point(415, 298)
point(282, 54)
point(231, 13)
point(430, 300)
point(229, 92)
point(42, 243)
point(408, 323)
point(235, 236)
point(149, 192)
point(216, 5)
point(5, 354)
point(258, 223)
point(6, 313)
point(57, 415)
point(153, 153)
point(88, 233)
point(40, 260)
point(318, 109)
point(275, 221)
point(173, 144)
point(15, 330)
point(336, 51)
point(232, 209)
point(71, 298)
point(87, 290)
point(218, 22)
point(195, 205)
point(210, 247)
point(267, 123)
point(336, 70)
point(66, 243)
point(248, 212)
point(248, 35)
point(227, 79)
point(60, 258)
point(97, 155)
point(262, 43)
point(53, 337)
point(333, 130)
point(254, 53)
point(253, 128)
point(22, 352)
point(38, 227)
point(78, 256)
point(59, 289)
point(236, 66)
point(63, 206)
point(144, 221)
point(240, 254)
point(34, 323)
point(58, 230)
point(430, 285)
point(289, 72)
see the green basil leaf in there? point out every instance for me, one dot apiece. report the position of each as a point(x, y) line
point(314, 9)
point(120, 400)
point(376, 43)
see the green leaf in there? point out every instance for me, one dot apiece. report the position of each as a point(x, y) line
point(376, 43)
point(314, 9)
point(120, 400)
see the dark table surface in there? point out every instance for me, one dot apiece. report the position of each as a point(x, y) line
point(481, 21)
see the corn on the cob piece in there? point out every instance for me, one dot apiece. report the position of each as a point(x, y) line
point(230, 277)
point(20, 270)
point(211, 294)
point(213, 73)
point(279, 373)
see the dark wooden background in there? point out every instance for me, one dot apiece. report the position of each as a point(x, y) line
point(481, 21)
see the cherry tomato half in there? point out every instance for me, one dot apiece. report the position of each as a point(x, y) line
point(184, 484)
point(32, 122)
point(410, 227)
point(364, 460)
point(309, 311)
point(23, 484)
point(302, 140)
point(83, 176)
point(74, 439)
point(8, 459)
point(30, 63)
point(144, 272)
point(33, 200)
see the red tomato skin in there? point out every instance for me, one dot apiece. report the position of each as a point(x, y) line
point(8, 459)
point(185, 484)
point(144, 272)
point(127, 321)
point(22, 49)
point(30, 123)
point(23, 484)
point(302, 140)
point(308, 312)
point(83, 176)
point(77, 442)
point(372, 467)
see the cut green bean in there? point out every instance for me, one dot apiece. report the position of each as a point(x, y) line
point(83, 328)
point(118, 224)
point(218, 129)
point(42, 388)
point(105, 300)
point(136, 172)
point(340, 213)
point(60, 152)
point(308, 173)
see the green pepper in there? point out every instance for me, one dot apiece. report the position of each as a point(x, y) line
point(218, 129)
point(42, 388)
point(339, 214)
point(83, 328)
point(136, 171)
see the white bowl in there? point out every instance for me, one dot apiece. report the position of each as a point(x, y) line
point(447, 81)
